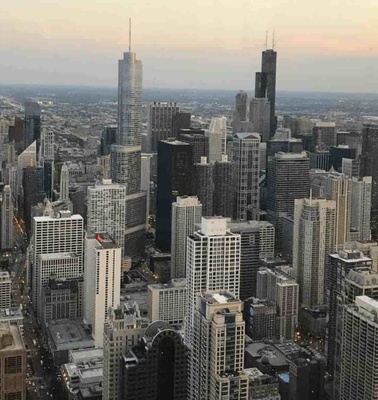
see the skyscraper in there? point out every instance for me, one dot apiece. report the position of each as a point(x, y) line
point(358, 348)
point(129, 100)
point(32, 129)
point(64, 183)
point(265, 84)
point(224, 187)
point(62, 233)
point(180, 120)
point(203, 185)
point(361, 206)
point(212, 263)
point(241, 106)
point(102, 281)
point(218, 133)
point(199, 142)
point(324, 135)
point(47, 145)
point(218, 348)
point(159, 122)
point(106, 210)
point(369, 167)
point(259, 116)
point(123, 329)
point(314, 233)
point(6, 205)
point(186, 213)
point(173, 179)
point(288, 179)
point(246, 156)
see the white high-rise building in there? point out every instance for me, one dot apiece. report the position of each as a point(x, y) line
point(166, 302)
point(106, 210)
point(64, 183)
point(259, 116)
point(246, 156)
point(217, 139)
point(102, 281)
point(159, 122)
point(129, 100)
point(212, 263)
point(186, 213)
point(338, 188)
point(361, 207)
point(6, 218)
point(313, 241)
point(5, 290)
point(218, 348)
point(62, 233)
point(359, 347)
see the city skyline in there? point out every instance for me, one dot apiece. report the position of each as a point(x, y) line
point(330, 51)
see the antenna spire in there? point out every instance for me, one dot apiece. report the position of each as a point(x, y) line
point(273, 41)
point(129, 35)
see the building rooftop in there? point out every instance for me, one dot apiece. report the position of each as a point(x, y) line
point(59, 215)
point(247, 135)
point(291, 156)
point(222, 297)
point(351, 256)
point(105, 241)
point(58, 256)
point(174, 283)
point(10, 337)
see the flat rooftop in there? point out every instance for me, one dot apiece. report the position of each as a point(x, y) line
point(219, 297)
point(10, 337)
point(58, 256)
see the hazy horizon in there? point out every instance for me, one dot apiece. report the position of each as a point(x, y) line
point(212, 44)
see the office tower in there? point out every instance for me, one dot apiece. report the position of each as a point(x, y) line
point(64, 183)
point(186, 214)
point(62, 233)
point(106, 210)
point(249, 255)
point(5, 290)
point(260, 319)
point(203, 185)
point(126, 166)
point(338, 188)
point(246, 157)
point(361, 206)
point(265, 84)
point(62, 299)
point(11, 155)
point(13, 361)
point(288, 179)
point(324, 135)
point(11, 180)
point(32, 121)
point(6, 205)
point(48, 171)
point(123, 329)
point(217, 348)
point(159, 122)
point(108, 138)
point(212, 263)
point(350, 168)
point(351, 139)
point(173, 179)
point(297, 125)
point(218, 131)
point(259, 115)
point(369, 167)
point(16, 134)
point(224, 187)
point(102, 280)
point(47, 145)
point(290, 145)
point(320, 159)
point(129, 100)
point(199, 142)
point(337, 153)
point(156, 369)
point(180, 120)
point(28, 158)
point(314, 235)
point(340, 264)
point(358, 367)
point(267, 240)
point(166, 302)
point(241, 106)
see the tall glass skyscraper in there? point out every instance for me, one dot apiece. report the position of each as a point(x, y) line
point(129, 100)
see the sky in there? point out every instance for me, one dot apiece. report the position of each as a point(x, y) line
point(322, 45)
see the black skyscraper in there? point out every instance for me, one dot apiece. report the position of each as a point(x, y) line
point(108, 137)
point(157, 367)
point(181, 120)
point(174, 170)
point(198, 140)
point(203, 185)
point(32, 123)
point(224, 188)
point(369, 167)
point(265, 84)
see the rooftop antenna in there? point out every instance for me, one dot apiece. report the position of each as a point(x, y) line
point(273, 41)
point(266, 40)
point(129, 35)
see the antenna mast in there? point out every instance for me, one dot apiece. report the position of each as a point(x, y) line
point(273, 41)
point(129, 35)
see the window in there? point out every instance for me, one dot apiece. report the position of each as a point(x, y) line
point(13, 365)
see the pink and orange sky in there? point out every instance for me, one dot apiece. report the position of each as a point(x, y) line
point(323, 45)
